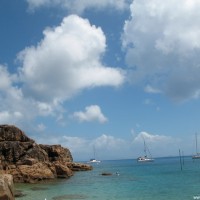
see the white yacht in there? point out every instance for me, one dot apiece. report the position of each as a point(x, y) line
point(93, 160)
point(145, 158)
point(197, 155)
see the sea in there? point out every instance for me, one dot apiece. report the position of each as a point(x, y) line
point(168, 178)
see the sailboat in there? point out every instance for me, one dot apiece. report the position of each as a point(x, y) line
point(197, 155)
point(93, 160)
point(145, 158)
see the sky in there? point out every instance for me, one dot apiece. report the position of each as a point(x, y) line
point(102, 74)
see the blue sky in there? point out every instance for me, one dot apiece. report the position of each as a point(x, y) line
point(85, 73)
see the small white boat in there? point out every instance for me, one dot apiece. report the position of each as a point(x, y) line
point(197, 155)
point(145, 158)
point(93, 160)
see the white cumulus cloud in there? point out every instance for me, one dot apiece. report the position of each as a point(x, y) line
point(162, 42)
point(91, 113)
point(66, 61)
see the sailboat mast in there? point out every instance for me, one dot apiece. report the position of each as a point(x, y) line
point(196, 144)
point(145, 149)
point(145, 158)
point(94, 152)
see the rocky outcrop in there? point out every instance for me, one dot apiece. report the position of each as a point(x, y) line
point(6, 187)
point(30, 162)
point(57, 153)
point(78, 166)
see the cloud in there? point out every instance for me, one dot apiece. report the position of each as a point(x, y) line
point(109, 142)
point(83, 149)
point(157, 144)
point(150, 89)
point(162, 44)
point(78, 6)
point(91, 113)
point(6, 78)
point(76, 144)
point(15, 107)
point(11, 97)
point(151, 138)
point(41, 127)
point(10, 117)
point(111, 147)
point(66, 61)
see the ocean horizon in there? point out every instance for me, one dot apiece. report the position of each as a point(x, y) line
point(165, 178)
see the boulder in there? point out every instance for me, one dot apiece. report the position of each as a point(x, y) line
point(6, 187)
point(36, 172)
point(78, 166)
point(106, 174)
point(62, 171)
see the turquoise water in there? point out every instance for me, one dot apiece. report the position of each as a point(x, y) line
point(162, 180)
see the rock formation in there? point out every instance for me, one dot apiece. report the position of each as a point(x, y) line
point(6, 187)
point(30, 162)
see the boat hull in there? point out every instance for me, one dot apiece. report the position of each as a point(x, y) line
point(196, 157)
point(94, 161)
point(144, 159)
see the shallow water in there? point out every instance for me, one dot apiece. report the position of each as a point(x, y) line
point(162, 180)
